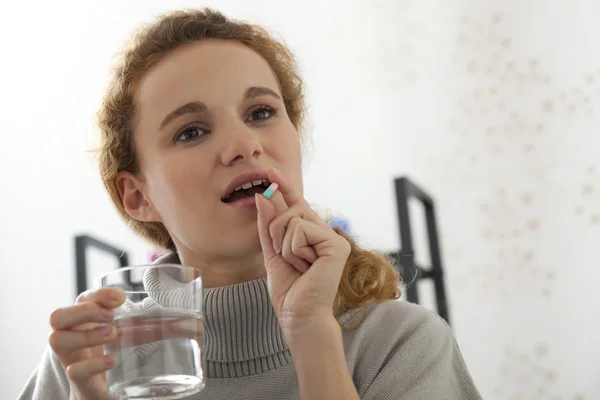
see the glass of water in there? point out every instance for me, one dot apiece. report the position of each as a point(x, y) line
point(160, 329)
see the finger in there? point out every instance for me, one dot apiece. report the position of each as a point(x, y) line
point(72, 316)
point(289, 194)
point(65, 342)
point(108, 297)
point(326, 243)
point(287, 197)
point(286, 252)
point(82, 373)
point(278, 226)
point(279, 202)
point(301, 248)
point(299, 241)
point(266, 214)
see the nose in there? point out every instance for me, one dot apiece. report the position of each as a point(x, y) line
point(242, 144)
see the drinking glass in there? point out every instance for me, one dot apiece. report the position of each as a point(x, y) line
point(160, 328)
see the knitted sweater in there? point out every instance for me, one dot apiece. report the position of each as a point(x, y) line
point(399, 351)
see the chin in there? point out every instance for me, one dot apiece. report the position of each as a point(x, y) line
point(245, 244)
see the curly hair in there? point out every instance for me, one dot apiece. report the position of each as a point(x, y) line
point(368, 276)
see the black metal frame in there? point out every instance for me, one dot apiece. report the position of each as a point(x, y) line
point(82, 244)
point(409, 270)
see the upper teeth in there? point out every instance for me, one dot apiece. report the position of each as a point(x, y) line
point(250, 184)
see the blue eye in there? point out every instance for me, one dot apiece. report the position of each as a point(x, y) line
point(189, 133)
point(261, 114)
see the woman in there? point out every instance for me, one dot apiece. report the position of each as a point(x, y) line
point(200, 106)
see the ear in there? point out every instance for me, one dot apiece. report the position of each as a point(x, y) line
point(132, 193)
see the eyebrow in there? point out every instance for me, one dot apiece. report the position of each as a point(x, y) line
point(257, 91)
point(195, 107)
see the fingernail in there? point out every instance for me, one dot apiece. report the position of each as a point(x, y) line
point(110, 361)
point(109, 331)
point(256, 200)
point(276, 247)
point(115, 295)
point(107, 314)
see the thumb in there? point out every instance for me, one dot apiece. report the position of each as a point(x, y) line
point(266, 214)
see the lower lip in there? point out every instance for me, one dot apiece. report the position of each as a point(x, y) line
point(245, 202)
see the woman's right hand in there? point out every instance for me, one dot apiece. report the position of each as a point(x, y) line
point(79, 331)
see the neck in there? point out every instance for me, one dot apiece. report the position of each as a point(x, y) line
point(225, 271)
point(242, 336)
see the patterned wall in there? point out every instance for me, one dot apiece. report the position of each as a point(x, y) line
point(495, 107)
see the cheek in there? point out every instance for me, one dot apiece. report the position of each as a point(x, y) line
point(179, 179)
point(289, 156)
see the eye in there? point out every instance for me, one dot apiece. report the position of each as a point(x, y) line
point(189, 133)
point(262, 113)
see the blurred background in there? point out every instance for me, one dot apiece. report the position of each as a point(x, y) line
point(492, 107)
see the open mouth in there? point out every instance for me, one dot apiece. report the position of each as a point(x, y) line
point(247, 190)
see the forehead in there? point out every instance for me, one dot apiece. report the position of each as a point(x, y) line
point(212, 71)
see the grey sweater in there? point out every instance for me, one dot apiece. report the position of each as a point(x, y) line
point(399, 351)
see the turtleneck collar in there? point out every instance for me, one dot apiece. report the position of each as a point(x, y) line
point(241, 334)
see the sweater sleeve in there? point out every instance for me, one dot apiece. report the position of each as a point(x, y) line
point(48, 381)
point(404, 351)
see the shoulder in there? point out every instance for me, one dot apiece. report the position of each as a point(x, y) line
point(401, 318)
point(378, 333)
point(396, 349)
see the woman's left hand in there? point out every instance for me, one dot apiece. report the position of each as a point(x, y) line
point(304, 256)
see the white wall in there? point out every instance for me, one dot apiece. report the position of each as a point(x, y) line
point(494, 107)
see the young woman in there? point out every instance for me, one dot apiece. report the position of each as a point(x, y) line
point(200, 106)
